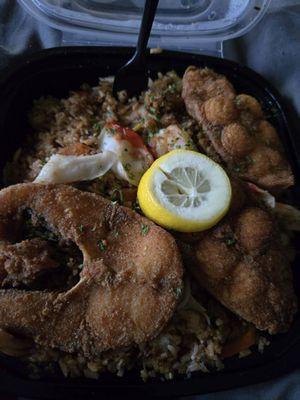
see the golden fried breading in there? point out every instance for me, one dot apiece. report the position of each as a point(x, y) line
point(220, 110)
point(254, 229)
point(268, 133)
point(248, 103)
point(123, 297)
point(244, 265)
point(236, 140)
point(236, 128)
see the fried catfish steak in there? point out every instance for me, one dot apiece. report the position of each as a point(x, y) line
point(243, 263)
point(129, 283)
point(236, 128)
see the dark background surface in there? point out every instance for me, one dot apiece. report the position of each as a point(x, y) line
point(272, 49)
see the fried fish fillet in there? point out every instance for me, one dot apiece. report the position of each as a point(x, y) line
point(129, 284)
point(236, 128)
point(243, 264)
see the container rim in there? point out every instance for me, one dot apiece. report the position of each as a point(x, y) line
point(72, 22)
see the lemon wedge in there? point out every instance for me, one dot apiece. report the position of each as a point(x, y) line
point(185, 191)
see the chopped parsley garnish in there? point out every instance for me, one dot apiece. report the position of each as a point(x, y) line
point(127, 168)
point(242, 166)
point(41, 218)
point(249, 160)
point(110, 113)
point(178, 292)
point(102, 244)
point(81, 228)
point(144, 229)
point(111, 131)
point(238, 101)
point(230, 241)
point(136, 207)
point(190, 143)
point(171, 88)
point(116, 234)
point(96, 125)
point(150, 135)
point(43, 162)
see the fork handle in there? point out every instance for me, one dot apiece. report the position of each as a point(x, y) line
point(145, 29)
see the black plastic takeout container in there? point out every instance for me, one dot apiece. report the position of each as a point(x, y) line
point(56, 72)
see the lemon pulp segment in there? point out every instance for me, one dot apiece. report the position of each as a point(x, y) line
point(185, 191)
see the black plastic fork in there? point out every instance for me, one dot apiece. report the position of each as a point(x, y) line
point(133, 76)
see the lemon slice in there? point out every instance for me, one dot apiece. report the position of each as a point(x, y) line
point(184, 190)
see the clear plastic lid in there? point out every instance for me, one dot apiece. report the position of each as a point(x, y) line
point(190, 25)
